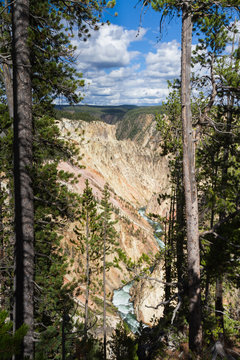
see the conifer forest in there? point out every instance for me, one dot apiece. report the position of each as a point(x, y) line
point(119, 225)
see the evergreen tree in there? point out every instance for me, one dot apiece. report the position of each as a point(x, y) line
point(23, 191)
point(191, 14)
point(190, 190)
point(219, 122)
point(10, 344)
point(55, 206)
point(50, 71)
point(88, 244)
point(109, 236)
point(123, 345)
point(169, 126)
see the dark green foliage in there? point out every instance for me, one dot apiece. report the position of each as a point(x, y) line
point(9, 343)
point(88, 230)
point(108, 114)
point(88, 244)
point(52, 75)
point(107, 226)
point(54, 205)
point(73, 115)
point(151, 344)
point(130, 120)
point(91, 348)
point(123, 344)
point(133, 124)
point(52, 55)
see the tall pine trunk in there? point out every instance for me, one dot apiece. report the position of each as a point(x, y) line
point(23, 192)
point(104, 287)
point(87, 277)
point(169, 254)
point(180, 232)
point(191, 200)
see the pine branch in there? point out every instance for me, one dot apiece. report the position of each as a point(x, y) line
point(218, 224)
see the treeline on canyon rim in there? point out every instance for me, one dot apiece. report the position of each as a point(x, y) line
point(200, 128)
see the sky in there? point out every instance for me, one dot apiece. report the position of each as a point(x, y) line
point(131, 60)
point(127, 62)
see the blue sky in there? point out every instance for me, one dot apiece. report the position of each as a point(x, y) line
point(126, 62)
point(129, 61)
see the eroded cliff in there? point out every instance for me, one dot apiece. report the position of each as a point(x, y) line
point(136, 173)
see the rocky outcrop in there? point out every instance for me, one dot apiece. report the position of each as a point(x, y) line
point(147, 296)
point(158, 206)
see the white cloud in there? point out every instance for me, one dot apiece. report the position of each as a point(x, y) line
point(107, 47)
point(165, 61)
point(116, 74)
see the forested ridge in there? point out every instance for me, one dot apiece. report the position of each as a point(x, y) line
point(198, 127)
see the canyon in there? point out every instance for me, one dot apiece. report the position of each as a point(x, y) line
point(127, 157)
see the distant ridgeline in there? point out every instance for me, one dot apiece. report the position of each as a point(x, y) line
point(126, 117)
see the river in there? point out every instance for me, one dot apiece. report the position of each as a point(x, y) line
point(121, 297)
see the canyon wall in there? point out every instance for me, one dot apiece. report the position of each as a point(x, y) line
point(131, 162)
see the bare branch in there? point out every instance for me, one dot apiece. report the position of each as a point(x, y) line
point(6, 7)
point(161, 303)
point(177, 308)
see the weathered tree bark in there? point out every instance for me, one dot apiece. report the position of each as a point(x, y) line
point(24, 210)
point(169, 254)
point(180, 232)
point(104, 288)
point(87, 277)
point(191, 200)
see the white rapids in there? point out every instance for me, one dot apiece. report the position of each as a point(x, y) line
point(121, 297)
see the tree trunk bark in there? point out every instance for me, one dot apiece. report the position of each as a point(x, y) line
point(180, 232)
point(104, 288)
point(23, 192)
point(169, 254)
point(87, 278)
point(191, 200)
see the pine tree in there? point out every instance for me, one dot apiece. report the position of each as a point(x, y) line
point(109, 236)
point(191, 12)
point(190, 189)
point(50, 60)
point(88, 244)
point(169, 126)
point(23, 191)
point(55, 206)
point(219, 122)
